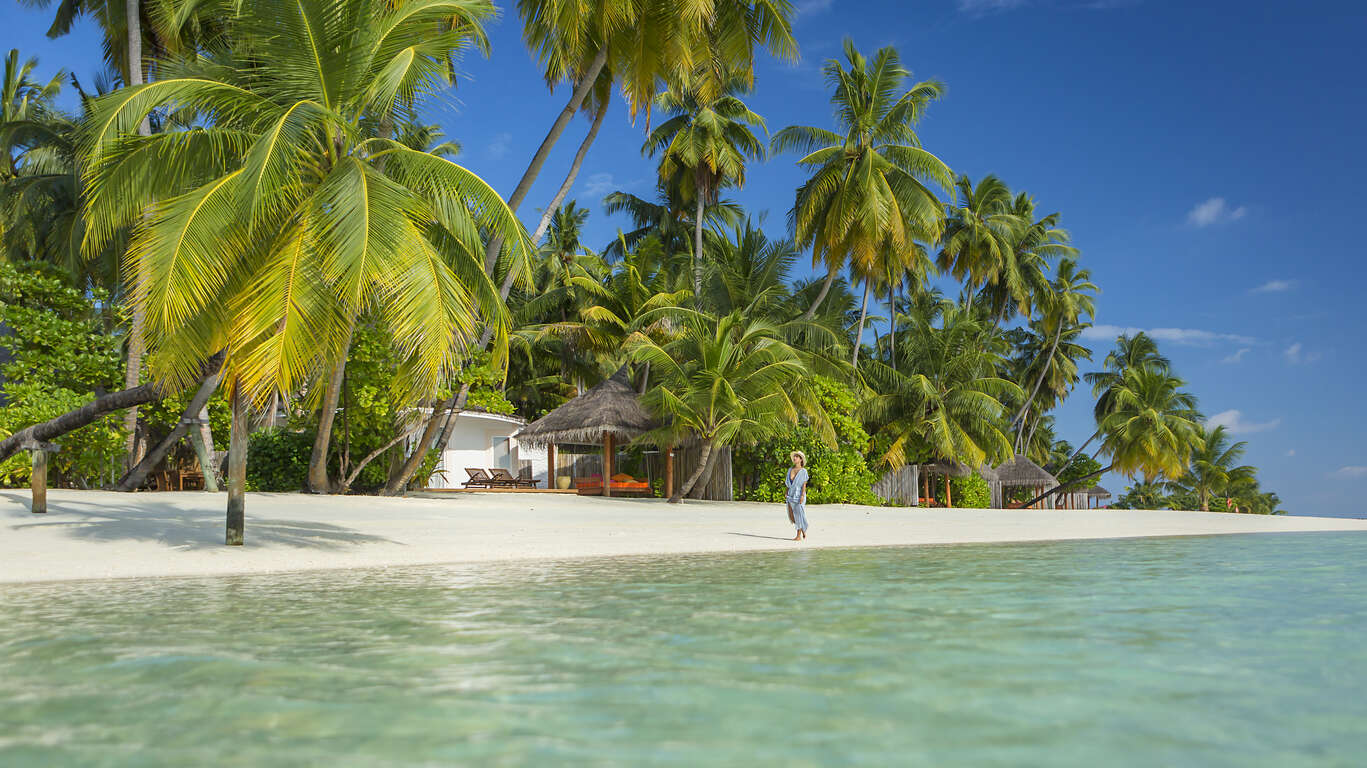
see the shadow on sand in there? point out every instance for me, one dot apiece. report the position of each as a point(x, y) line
point(147, 518)
point(757, 536)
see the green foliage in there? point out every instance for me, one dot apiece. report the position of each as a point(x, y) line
point(971, 492)
point(839, 475)
point(1143, 495)
point(1081, 466)
point(56, 354)
point(278, 460)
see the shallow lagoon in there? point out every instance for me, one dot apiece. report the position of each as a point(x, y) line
point(1231, 650)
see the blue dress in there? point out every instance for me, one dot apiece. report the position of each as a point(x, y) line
point(795, 483)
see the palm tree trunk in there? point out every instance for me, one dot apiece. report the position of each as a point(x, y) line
point(133, 372)
point(892, 331)
point(1076, 453)
point(700, 487)
point(859, 331)
point(564, 190)
point(237, 466)
point(322, 440)
point(1065, 486)
point(1040, 379)
point(76, 418)
point(562, 121)
point(820, 296)
point(697, 250)
point(133, 479)
point(697, 473)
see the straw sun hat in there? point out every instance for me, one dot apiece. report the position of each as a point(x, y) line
point(800, 455)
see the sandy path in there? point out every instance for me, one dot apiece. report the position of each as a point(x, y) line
point(95, 534)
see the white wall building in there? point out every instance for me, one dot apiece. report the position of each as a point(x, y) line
point(485, 440)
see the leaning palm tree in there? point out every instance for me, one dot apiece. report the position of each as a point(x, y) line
point(870, 186)
point(725, 381)
point(277, 221)
point(1214, 466)
point(1152, 428)
point(1137, 351)
point(704, 146)
point(1021, 279)
point(1071, 297)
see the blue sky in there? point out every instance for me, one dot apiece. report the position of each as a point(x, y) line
point(1202, 154)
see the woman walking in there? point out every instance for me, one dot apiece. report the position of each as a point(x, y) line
point(796, 480)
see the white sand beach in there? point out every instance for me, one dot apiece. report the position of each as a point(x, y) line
point(96, 534)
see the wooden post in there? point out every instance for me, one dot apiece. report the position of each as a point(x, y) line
point(38, 451)
point(669, 472)
point(550, 466)
point(607, 463)
point(949, 494)
point(926, 483)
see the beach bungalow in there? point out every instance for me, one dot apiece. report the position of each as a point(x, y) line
point(487, 441)
point(1097, 496)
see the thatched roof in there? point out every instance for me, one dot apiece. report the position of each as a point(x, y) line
point(1097, 492)
point(947, 467)
point(1021, 471)
point(612, 406)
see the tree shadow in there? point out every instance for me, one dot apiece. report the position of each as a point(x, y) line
point(178, 527)
point(757, 536)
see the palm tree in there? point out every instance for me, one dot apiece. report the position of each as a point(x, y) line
point(979, 232)
point(1070, 298)
point(1137, 351)
point(867, 194)
point(1152, 428)
point(1022, 278)
point(640, 42)
point(725, 381)
point(1213, 466)
point(703, 146)
point(668, 220)
point(945, 400)
point(276, 222)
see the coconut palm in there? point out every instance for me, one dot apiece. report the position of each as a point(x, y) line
point(703, 146)
point(1152, 428)
point(945, 400)
point(869, 192)
point(1214, 468)
point(1069, 299)
point(1137, 351)
point(979, 232)
point(725, 381)
point(669, 220)
point(1022, 277)
point(277, 221)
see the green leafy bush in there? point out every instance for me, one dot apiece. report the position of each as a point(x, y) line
point(971, 492)
point(56, 356)
point(838, 475)
point(278, 460)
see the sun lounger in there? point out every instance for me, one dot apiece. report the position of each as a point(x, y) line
point(504, 477)
point(478, 478)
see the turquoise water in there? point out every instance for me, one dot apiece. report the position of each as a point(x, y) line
point(1239, 651)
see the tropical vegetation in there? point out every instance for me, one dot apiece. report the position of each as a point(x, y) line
point(254, 201)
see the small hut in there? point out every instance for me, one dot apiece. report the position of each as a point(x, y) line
point(608, 414)
point(1096, 494)
point(1020, 472)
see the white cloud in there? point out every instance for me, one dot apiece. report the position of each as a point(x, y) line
point(1291, 453)
point(979, 7)
point(808, 7)
point(1351, 471)
point(498, 147)
point(1275, 286)
point(1237, 357)
point(597, 185)
point(1234, 422)
point(1214, 211)
point(1296, 354)
point(1190, 337)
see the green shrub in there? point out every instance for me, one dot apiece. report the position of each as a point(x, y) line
point(838, 475)
point(971, 492)
point(278, 460)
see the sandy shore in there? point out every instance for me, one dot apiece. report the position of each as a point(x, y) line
point(93, 534)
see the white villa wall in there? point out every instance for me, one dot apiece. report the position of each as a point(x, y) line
point(485, 441)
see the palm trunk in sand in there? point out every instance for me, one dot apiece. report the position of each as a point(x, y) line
point(697, 473)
